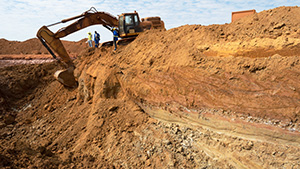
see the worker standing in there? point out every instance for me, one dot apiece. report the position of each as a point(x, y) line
point(115, 33)
point(90, 39)
point(96, 39)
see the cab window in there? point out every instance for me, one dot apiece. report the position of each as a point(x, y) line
point(121, 19)
point(136, 20)
point(128, 20)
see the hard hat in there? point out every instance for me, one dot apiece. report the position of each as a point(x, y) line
point(114, 29)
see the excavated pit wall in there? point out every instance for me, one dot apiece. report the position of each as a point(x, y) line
point(161, 102)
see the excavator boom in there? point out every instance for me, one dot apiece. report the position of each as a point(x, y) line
point(52, 40)
point(87, 19)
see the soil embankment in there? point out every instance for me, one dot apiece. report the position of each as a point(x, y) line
point(218, 96)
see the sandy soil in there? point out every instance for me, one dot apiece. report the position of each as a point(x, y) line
point(218, 96)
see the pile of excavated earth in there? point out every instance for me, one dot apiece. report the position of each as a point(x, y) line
point(217, 96)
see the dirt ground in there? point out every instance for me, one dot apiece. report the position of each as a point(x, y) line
point(217, 96)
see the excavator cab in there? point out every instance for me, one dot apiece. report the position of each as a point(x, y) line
point(129, 25)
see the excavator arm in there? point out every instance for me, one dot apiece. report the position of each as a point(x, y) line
point(52, 41)
point(49, 40)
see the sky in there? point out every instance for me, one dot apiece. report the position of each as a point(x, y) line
point(21, 19)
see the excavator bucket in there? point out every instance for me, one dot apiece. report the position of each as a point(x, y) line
point(66, 78)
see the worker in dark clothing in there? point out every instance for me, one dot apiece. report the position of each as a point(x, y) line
point(115, 33)
point(96, 39)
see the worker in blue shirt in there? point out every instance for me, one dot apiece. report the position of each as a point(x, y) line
point(115, 33)
point(96, 39)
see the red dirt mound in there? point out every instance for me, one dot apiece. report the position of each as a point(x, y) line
point(218, 96)
point(33, 49)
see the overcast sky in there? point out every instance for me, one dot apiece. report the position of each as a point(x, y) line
point(20, 19)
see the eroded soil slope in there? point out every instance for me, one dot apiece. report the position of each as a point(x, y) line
point(218, 96)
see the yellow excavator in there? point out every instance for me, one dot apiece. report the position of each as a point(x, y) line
point(128, 24)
